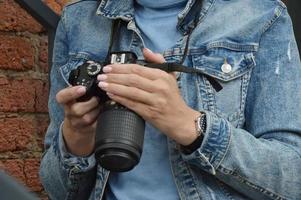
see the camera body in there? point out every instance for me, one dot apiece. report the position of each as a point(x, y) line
point(120, 131)
point(86, 74)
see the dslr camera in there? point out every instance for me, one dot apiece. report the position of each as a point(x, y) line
point(120, 131)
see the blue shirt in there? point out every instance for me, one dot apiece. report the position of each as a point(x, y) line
point(152, 177)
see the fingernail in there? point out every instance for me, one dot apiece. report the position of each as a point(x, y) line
point(81, 90)
point(147, 49)
point(107, 69)
point(103, 84)
point(102, 77)
point(110, 94)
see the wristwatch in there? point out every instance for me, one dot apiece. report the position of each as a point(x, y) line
point(200, 126)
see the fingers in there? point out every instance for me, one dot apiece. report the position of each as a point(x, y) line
point(128, 92)
point(152, 57)
point(86, 120)
point(132, 80)
point(137, 107)
point(80, 114)
point(70, 94)
point(79, 109)
point(146, 72)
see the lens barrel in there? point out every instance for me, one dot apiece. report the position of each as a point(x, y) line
point(119, 138)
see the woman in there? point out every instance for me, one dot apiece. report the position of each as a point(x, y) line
point(242, 142)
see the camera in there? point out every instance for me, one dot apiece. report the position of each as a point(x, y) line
point(120, 131)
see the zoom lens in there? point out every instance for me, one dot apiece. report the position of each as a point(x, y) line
point(119, 138)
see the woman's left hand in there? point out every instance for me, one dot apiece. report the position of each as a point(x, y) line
point(153, 94)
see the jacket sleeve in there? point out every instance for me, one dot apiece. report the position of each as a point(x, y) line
point(64, 176)
point(262, 160)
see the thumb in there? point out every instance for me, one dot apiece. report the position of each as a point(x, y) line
point(150, 56)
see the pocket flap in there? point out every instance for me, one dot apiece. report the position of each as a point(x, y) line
point(225, 61)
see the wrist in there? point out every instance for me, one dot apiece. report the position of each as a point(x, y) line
point(77, 142)
point(200, 126)
point(185, 131)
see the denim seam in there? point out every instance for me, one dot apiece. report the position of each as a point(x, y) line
point(193, 180)
point(232, 46)
point(220, 156)
point(64, 23)
point(245, 87)
point(242, 179)
point(224, 189)
point(227, 147)
point(101, 10)
point(70, 3)
point(211, 96)
point(270, 23)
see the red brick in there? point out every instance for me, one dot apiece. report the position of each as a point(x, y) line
point(55, 6)
point(14, 168)
point(25, 171)
point(16, 53)
point(21, 136)
point(26, 95)
point(42, 125)
point(16, 133)
point(31, 170)
point(14, 18)
point(43, 55)
point(42, 91)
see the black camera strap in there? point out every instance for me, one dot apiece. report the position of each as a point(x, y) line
point(168, 67)
point(114, 35)
point(175, 67)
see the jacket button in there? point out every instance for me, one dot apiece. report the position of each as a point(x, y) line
point(226, 68)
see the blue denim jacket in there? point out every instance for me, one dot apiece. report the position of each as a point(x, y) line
point(252, 145)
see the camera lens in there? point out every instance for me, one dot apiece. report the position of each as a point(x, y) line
point(119, 138)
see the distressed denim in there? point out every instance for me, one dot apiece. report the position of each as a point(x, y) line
point(252, 145)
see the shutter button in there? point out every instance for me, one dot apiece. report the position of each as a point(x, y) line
point(226, 67)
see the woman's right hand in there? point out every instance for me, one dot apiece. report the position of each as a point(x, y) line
point(79, 121)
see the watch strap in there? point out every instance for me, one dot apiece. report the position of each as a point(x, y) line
point(201, 125)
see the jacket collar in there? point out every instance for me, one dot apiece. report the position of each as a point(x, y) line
point(124, 9)
point(113, 9)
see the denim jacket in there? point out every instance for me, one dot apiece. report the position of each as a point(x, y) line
point(252, 145)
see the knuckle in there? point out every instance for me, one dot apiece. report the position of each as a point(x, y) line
point(153, 114)
point(161, 103)
point(132, 79)
point(135, 93)
point(74, 123)
point(130, 104)
point(76, 111)
point(163, 74)
point(162, 87)
point(58, 97)
point(135, 69)
point(87, 119)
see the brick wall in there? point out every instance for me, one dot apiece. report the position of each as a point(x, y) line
point(23, 92)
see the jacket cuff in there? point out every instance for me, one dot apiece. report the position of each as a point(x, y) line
point(214, 146)
point(70, 162)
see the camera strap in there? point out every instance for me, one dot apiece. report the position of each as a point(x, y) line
point(175, 67)
point(168, 67)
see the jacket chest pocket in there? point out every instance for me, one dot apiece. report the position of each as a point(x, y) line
point(231, 66)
